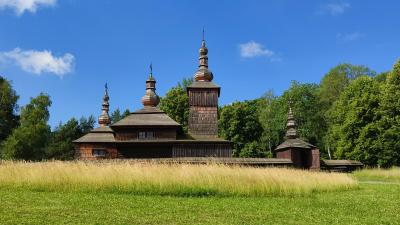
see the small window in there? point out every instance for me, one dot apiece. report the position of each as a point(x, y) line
point(99, 152)
point(150, 135)
point(146, 135)
point(142, 135)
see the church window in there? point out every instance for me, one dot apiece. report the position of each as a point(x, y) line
point(150, 135)
point(142, 135)
point(146, 135)
point(99, 152)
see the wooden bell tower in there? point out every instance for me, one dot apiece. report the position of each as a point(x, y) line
point(203, 100)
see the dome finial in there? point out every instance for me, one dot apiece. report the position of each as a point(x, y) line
point(151, 68)
point(203, 41)
point(104, 118)
point(151, 73)
point(291, 132)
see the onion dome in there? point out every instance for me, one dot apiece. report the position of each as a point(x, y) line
point(203, 73)
point(150, 99)
point(104, 118)
point(291, 132)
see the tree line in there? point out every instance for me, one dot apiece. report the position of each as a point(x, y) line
point(26, 135)
point(353, 113)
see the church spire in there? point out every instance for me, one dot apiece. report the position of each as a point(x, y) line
point(203, 74)
point(150, 99)
point(291, 132)
point(104, 118)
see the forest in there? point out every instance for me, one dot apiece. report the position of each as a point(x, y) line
point(353, 113)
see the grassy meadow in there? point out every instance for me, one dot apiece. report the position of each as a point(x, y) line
point(169, 179)
point(141, 193)
point(389, 175)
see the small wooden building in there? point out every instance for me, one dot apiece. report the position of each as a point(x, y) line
point(303, 154)
point(151, 133)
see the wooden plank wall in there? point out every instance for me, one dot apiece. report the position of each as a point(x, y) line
point(85, 151)
point(202, 150)
point(203, 112)
point(133, 134)
point(203, 97)
point(203, 121)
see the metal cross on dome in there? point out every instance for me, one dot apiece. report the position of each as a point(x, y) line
point(151, 68)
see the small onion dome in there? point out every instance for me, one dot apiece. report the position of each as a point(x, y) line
point(203, 74)
point(203, 49)
point(104, 120)
point(150, 99)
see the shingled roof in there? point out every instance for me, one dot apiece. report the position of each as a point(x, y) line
point(98, 135)
point(294, 143)
point(204, 84)
point(148, 116)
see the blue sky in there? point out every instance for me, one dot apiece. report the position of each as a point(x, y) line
point(70, 48)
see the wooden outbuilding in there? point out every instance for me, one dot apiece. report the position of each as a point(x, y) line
point(303, 154)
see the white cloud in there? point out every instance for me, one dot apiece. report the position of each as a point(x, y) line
point(20, 6)
point(336, 8)
point(39, 62)
point(350, 37)
point(253, 49)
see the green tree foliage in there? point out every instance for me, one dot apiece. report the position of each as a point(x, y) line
point(382, 77)
point(365, 120)
point(254, 149)
point(337, 79)
point(117, 115)
point(60, 145)
point(331, 88)
point(87, 124)
point(176, 103)
point(239, 123)
point(307, 110)
point(29, 139)
point(353, 121)
point(8, 109)
point(272, 117)
point(389, 124)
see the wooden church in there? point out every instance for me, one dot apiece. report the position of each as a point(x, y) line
point(151, 133)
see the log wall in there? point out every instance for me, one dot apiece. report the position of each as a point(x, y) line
point(203, 97)
point(315, 160)
point(203, 112)
point(302, 158)
point(85, 151)
point(202, 150)
point(284, 154)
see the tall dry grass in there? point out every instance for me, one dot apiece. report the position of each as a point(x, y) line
point(168, 179)
point(392, 174)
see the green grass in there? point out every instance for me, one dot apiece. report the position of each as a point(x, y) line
point(387, 175)
point(25, 196)
point(370, 204)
